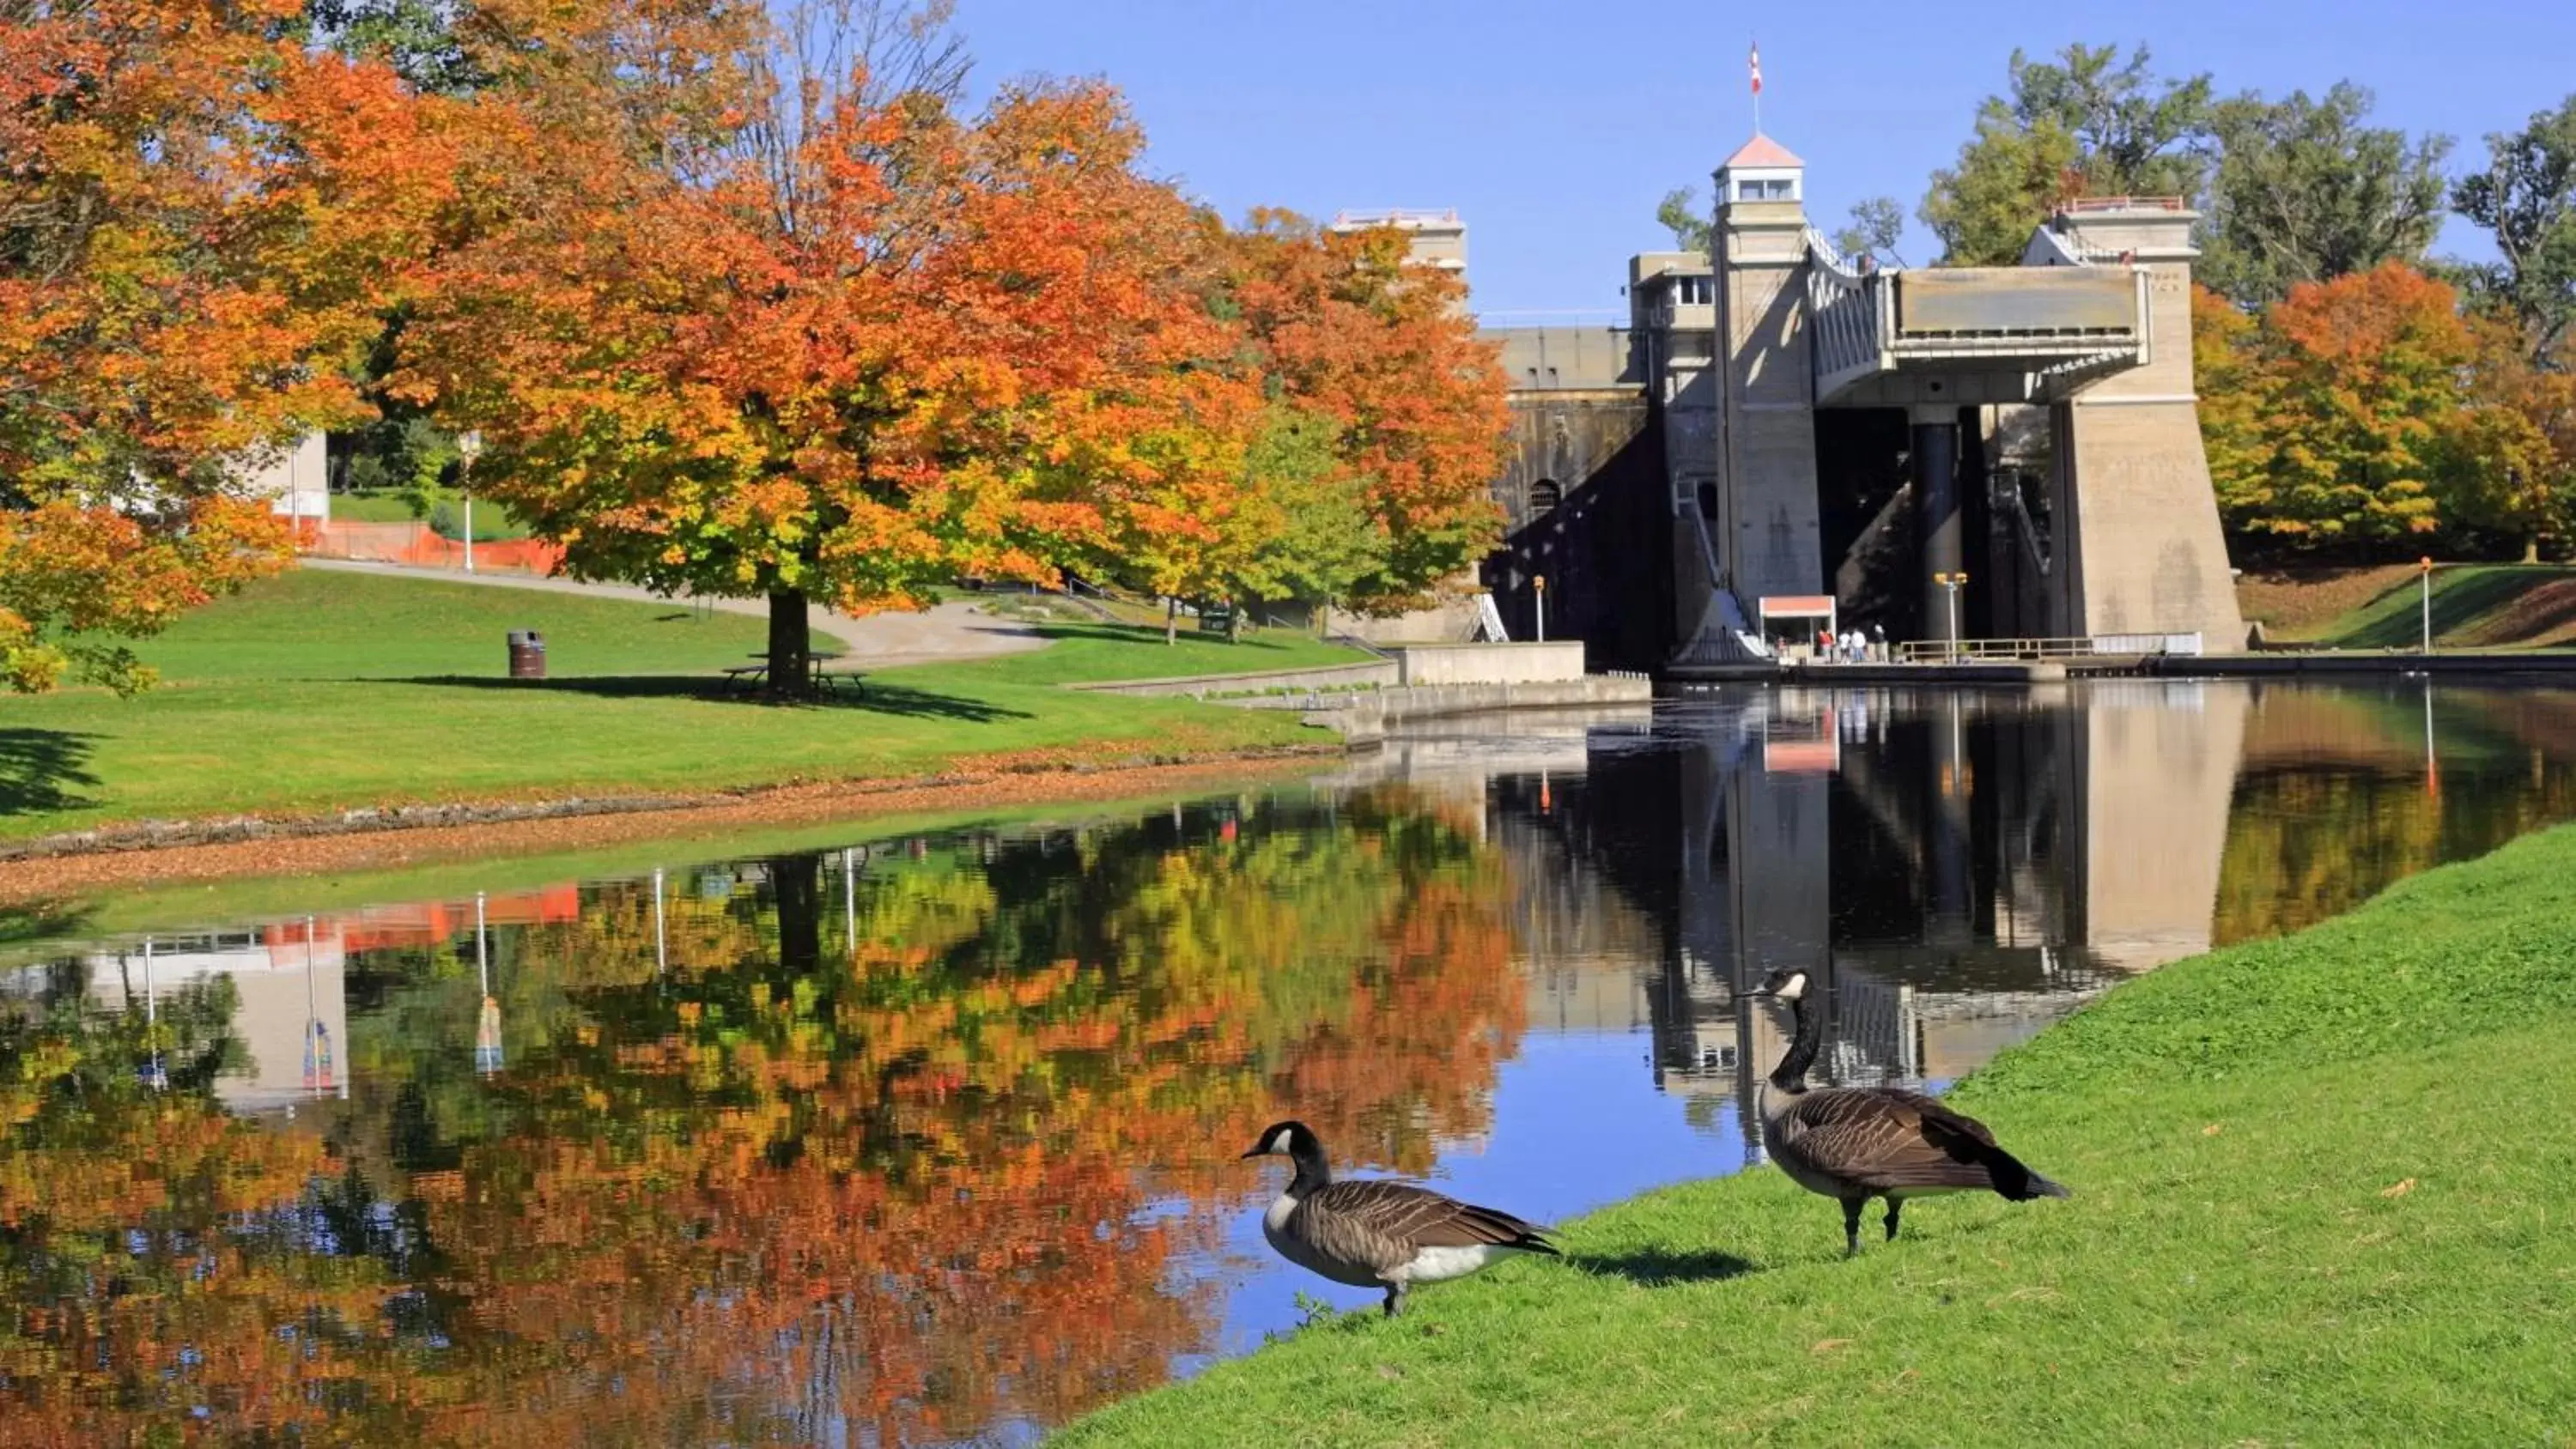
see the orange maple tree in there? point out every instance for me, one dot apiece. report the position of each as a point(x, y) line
point(1387, 356)
point(762, 313)
point(187, 263)
point(2338, 407)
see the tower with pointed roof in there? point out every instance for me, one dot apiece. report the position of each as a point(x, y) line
point(1761, 514)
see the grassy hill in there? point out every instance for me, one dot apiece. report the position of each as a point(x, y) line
point(2475, 606)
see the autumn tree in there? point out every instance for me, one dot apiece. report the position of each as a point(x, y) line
point(2306, 191)
point(2508, 463)
point(752, 309)
point(1384, 356)
point(188, 264)
point(2338, 413)
point(2525, 199)
point(2084, 124)
point(2227, 377)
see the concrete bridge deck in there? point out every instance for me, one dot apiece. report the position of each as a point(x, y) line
point(1967, 336)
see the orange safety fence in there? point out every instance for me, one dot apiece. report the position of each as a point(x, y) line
point(423, 922)
point(417, 545)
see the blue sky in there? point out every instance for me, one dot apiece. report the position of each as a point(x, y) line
point(1555, 127)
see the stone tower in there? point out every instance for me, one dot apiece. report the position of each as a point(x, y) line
point(1765, 495)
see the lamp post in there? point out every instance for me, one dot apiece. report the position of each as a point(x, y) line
point(2424, 568)
point(469, 445)
point(1951, 584)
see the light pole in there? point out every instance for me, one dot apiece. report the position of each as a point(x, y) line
point(2424, 567)
point(469, 444)
point(1952, 583)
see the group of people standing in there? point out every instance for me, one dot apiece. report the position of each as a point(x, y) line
point(1851, 646)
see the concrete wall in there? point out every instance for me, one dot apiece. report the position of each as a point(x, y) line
point(1489, 663)
point(1597, 455)
point(1374, 674)
point(1549, 359)
point(1366, 717)
point(1452, 619)
point(1767, 519)
point(297, 481)
point(2139, 549)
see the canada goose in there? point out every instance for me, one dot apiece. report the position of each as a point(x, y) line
point(1857, 1143)
point(1388, 1235)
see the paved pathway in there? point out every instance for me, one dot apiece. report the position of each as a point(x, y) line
point(945, 632)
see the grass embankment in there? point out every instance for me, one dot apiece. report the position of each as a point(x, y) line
point(2321, 1197)
point(2475, 606)
point(322, 691)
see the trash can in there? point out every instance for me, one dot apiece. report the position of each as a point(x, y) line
point(527, 654)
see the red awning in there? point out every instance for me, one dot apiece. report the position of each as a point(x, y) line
point(1797, 606)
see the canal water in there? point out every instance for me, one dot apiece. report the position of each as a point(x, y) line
point(934, 1138)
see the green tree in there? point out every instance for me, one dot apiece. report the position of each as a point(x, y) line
point(1680, 215)
point(416, 38)
point(1326, 545)
point(2526, 200)
point(2306, 191)
point(1873, 230)
point(2086, 124)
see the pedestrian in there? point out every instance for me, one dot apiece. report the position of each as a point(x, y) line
point(1878, 641)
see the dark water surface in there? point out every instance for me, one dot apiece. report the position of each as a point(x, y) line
point(934, 1139)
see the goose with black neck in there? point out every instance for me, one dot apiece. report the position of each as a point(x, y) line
point(1388, 1235)
point(1853, 1144)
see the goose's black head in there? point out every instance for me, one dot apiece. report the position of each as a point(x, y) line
point(1787, 984)
point(1286, 1138)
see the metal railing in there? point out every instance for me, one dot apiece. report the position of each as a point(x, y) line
point(1942, 651)
point(2128, 203)
point(1396, 216)
point(1851, 315)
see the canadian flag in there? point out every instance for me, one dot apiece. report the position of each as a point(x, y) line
point(1757, 70)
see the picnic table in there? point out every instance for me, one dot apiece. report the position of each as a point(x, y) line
point(822, 678)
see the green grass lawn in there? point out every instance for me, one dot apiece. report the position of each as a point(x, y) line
point(2475, 606)
point(2322, 1191)
point(493, 523)
point(322, 690)
point(372, 508)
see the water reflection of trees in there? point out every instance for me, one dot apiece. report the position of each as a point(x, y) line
point(907, 1162)
point(2346, 793)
